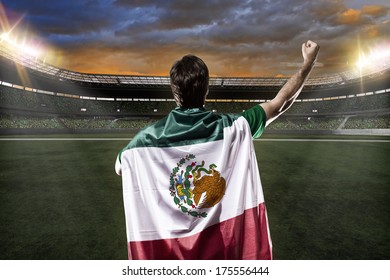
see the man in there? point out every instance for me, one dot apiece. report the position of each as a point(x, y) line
point(191, 184)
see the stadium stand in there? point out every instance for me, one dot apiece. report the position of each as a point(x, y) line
point(27, 109)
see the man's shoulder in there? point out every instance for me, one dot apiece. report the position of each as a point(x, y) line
point(152, 130)
point(256, 119)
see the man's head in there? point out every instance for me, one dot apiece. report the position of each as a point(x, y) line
point(189, 82)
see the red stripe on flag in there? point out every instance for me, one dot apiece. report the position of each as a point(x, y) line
point(242, 237)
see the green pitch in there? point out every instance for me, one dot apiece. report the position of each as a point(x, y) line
point(325, 200)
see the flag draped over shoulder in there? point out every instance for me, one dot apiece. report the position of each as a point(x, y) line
point(192, 188)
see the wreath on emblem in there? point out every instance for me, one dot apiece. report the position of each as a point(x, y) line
point(193, 192)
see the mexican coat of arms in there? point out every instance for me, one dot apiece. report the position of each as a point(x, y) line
point(195, 187)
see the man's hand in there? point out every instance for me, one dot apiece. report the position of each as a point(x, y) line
point(309, 52)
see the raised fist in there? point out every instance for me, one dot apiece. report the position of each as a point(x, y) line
point(310, 51)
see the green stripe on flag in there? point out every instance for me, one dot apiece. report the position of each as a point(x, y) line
point(183, 127)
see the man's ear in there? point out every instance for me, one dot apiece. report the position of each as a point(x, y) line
point(205, 96)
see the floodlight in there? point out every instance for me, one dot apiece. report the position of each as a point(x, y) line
point(377, 58)
point(23, 48)
point(4, 36)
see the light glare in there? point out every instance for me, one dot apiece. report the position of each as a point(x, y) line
point(377, 58)
point(23, 48)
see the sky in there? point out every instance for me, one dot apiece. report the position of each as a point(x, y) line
point(240, 38)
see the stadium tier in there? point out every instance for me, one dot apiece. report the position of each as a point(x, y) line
point(27, 109)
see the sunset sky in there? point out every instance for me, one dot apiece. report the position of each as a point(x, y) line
point(233, 37)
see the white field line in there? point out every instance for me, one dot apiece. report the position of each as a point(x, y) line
point(261, 140)
point(325, 140)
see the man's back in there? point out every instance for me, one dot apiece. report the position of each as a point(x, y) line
point(192, 189)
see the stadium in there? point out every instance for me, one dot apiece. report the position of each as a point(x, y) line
point(61, 131)
point(340, 103)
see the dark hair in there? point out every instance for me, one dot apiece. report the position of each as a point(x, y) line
point(189, 81)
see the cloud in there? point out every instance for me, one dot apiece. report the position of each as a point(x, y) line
point(375, 10)
point(350, 16)
point(235, 37)
point(367, 14)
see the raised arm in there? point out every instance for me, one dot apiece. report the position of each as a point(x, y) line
point(290, 91)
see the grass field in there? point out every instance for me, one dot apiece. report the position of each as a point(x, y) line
point(61, 199)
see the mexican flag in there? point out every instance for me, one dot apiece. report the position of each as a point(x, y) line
point(192, 189)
